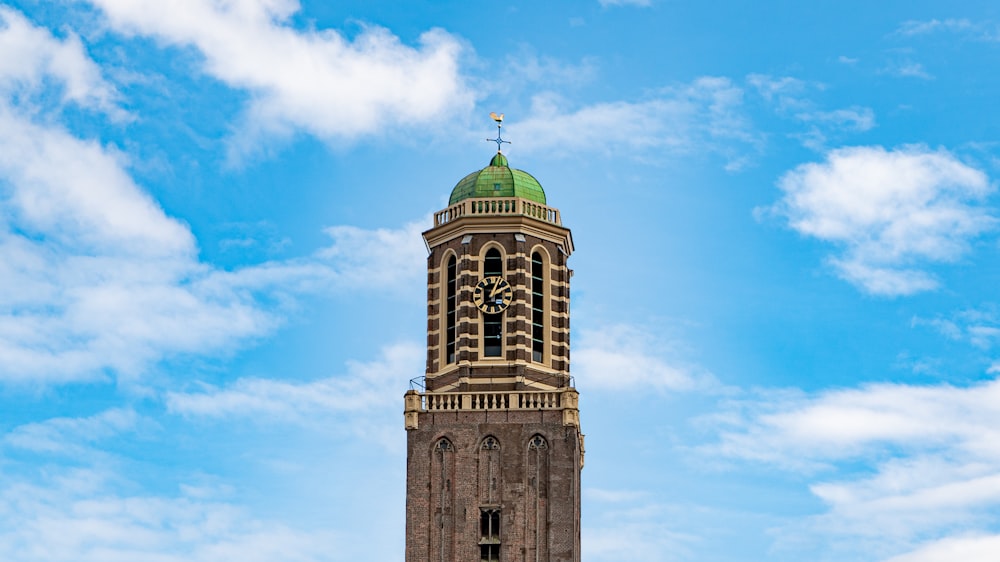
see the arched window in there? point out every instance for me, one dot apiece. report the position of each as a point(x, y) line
point(489, 471)
point(537, 308)
point(451, 291)
point(493, 264)
point(493, 323)
point(489, 530)
point(537, 496)
point(442, 499)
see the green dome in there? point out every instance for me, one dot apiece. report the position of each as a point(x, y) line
point(498, 180)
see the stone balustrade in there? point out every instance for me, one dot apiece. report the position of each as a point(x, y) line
point(521, 400)
point(566, 399)
point(495, 400)
point(497, 206)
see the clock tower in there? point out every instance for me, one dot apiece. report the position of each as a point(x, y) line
point(494, 448)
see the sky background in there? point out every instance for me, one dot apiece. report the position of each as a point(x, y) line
point(786, 327)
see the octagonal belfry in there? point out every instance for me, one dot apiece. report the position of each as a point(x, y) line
point(494, 448)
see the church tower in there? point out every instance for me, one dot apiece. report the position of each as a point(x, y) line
point(494, 448)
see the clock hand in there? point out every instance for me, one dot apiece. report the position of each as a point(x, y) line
point(496, 287)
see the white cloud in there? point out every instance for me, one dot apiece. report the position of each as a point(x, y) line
point(979, 327)
point(361, 389)
point(967, 548)
point(823, 123)
point(853, 118)
point(892, 211)
point(355, 403)
point(80, 244)
point(379, 258)
point(315, 81)
point(786, 92)
point(96, 279)
point(918, 27)
point(526, 71)
point(95, 276)
point(705, 115)
point(67, 435)
point(87, 201)
point(640, 3)
point(791, 98)
point(846, 423)
point(904, 464)
point(627, 358)
point(612, 496)
point(31, 54)
point(75, 516)
point(908, 69)
point(640, 533)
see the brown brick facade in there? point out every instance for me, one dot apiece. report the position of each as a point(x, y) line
point(536, 490)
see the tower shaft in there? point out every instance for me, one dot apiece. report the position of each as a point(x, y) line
point(494, 448)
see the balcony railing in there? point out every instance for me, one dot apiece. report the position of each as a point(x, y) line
point(497, 206)
point(565, 399)
point(508, 400)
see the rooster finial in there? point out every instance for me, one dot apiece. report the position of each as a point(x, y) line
point(499, 140)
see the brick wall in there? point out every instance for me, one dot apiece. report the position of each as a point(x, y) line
point(443, 517)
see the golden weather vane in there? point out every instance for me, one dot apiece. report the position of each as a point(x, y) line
point(499, 140)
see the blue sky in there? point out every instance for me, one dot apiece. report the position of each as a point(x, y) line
point(785, 314)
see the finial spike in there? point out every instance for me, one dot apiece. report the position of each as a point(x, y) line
point(499, 140)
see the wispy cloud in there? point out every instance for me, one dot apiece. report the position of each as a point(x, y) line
point(853, 118)
point(904, 464)
point(315, 81)
point(704, 115)
point(923, 27)
point(908, 69)
point(95, 278)
point(640, 3)
point(640, 532)
point(361, 389)
point(381, 258)
point(526, 71)
point(894, 212)
point(95, 275)
point(638, 361)
point(985, 30)
point(786, 93)
point(967, 548)
point(76, 515)
point(358, 397)
point(977, 326)
point(71, 435)
point(612, 496)
point(32, 54)
point(793, 99)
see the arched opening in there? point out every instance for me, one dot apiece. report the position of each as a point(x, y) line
point(537, 505)
point(537, 307)
point(493, 323)
point(451, 306)
point(442, 499)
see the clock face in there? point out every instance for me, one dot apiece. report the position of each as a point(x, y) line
point(493, 294)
